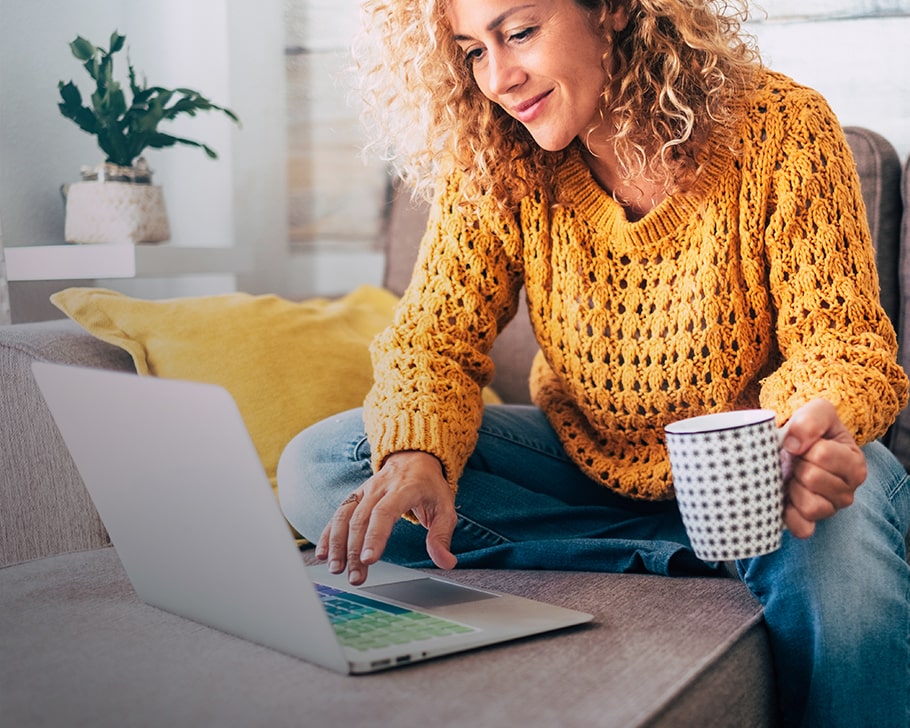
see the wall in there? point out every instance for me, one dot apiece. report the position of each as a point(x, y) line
point(855, 52)
point(230, 50)
point(39, 149)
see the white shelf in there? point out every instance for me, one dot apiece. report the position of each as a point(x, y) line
point(120, 260)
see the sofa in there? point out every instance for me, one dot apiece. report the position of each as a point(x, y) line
point(77, 647)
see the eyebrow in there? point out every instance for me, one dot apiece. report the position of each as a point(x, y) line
point(497, 21)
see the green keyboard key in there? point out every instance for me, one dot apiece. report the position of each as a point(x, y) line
point(364, 624)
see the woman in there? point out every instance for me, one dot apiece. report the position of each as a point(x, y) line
point(690, 233)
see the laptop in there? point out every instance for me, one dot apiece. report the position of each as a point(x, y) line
point(175, 477)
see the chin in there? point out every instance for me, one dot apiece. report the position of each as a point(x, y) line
point(551, 142)
point(552, 145)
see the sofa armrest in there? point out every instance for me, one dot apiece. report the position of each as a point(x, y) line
point(44, 507)
point(879, 171)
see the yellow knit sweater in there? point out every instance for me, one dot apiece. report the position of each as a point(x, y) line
point(757, 287)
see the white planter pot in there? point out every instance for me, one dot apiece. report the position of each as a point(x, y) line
point(107, 206)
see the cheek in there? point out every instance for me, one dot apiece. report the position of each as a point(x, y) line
point(593, 86)
point(482, 83)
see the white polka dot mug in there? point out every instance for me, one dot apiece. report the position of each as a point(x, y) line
point(729, 482)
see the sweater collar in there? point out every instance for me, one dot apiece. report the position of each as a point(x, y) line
point(578, 188)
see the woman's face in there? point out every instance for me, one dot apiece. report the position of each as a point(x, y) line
point(540, 60)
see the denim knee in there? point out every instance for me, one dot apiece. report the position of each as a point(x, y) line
point(837, 609)
point(855, 548)
point(319, 468)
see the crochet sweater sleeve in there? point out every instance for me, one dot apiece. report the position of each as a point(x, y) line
point(834, 338)
point(433, 362)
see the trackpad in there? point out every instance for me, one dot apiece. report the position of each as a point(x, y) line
point(428, 593)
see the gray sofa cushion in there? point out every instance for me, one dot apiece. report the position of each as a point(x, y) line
point(78, 648)
point(900, 433)
point(879, 171)
point(35, 519)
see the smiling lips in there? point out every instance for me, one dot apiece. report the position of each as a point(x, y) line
point(527, 111)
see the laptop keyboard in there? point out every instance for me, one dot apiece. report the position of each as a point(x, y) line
point(365, 624)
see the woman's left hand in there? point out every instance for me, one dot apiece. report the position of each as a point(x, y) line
point(826, 466)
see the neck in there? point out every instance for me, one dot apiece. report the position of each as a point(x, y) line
point(638, 195)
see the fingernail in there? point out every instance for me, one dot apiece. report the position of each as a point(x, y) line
point(335, 567)
point(366, 554)
point(354, 577)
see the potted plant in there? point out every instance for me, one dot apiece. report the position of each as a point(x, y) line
point(115, 201)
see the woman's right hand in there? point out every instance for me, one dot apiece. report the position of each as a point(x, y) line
point(409, 481)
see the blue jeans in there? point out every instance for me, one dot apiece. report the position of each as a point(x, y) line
point(837, 605)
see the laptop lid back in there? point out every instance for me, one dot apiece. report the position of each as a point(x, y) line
point(178, 484)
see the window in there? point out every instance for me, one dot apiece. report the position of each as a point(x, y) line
point(335, 197)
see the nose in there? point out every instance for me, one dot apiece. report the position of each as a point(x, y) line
point(504, 72)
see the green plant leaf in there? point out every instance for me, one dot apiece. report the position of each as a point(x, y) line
point(117, 102)
point(117, 42)
point(159, 141)
point(192, 101)
point(82, 49)
point(92, 67)
point(72, 108)
point(135, 89)
point(141, 97)
point(124, 127)
point(70, 94)
point(162, 99)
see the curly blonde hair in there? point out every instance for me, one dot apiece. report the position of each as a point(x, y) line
point(677, 72)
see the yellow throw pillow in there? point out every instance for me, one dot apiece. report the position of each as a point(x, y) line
point(287, 364)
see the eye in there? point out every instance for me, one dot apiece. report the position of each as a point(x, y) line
point(472, 55)
point(522, 35)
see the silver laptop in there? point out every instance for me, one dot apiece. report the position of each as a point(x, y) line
point(177, 481)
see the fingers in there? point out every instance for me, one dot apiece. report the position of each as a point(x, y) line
point(817, 435)
point(796, 523)
point(826, 464)
point(343, 540)
point(829, 470)
point(439, 540)
point(813, 494)
point(333, 542)
point(803, 508)
point(812, 422)
point(358, 532)
point(373, 534)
